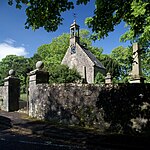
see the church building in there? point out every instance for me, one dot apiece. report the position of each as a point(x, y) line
point(79, 57)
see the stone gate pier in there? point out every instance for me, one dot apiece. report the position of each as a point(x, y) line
point(10, 93)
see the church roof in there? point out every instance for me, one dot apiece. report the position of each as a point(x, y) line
point(96, 62)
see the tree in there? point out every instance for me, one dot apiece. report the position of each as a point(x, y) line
point(85, 38)
point(99, 78)
point(62, 74)
point(21, 66)
point(145, 63)
point(40, 13)
point(140, 23)
point(112, 66)
point(53, 53)
point(108, 14)
point(33, 60)
point(124, 58)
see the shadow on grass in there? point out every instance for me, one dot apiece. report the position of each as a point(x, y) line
point(58, 134)
point(89, 138)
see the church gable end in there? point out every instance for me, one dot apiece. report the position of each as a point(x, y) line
point(80, 58)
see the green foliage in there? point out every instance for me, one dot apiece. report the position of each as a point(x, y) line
point(140, 23)
point(108, 14)
point(123, 57)
point(99, 78)
point(112, 66)
point(33, 60)
point(97, 52)
point(41, 14)
point(53, 53)
point(145, 63)
point(85, 37)
point(21, 66)
point(23, 97)
point(62, 74)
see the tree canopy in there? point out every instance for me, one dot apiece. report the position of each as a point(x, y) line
point(19, 64)
point(118, 63)
point(53, 53)
point(124, 58)
point(62, 74)
point(107, 14)
point(45, 13)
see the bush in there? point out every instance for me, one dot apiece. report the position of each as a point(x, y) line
point(99, 78)
point(62, 74)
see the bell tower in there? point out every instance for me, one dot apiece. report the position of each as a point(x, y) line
point(74, 33)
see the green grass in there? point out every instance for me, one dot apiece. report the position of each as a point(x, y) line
point(23, 97)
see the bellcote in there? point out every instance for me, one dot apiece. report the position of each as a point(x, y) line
point(74, 33)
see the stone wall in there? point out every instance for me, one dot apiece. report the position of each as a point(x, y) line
point(1, 95)
point(69, 104)
point(118, 108)
point(10, 94)
point(1, 90)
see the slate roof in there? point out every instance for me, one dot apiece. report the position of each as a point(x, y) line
point(96, 62)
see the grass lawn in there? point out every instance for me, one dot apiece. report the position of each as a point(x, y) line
point(23, 97)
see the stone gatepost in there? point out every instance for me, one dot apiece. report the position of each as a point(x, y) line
point(136, 73)
point(11, 92)
point(37, 76)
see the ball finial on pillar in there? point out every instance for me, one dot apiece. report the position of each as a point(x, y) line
point(11, 72)
point(39, 65)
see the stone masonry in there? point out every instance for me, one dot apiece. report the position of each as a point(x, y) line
point(89, 105)
point(10, 93)
point(79, 57)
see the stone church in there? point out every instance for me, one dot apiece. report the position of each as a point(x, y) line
point(81, 58)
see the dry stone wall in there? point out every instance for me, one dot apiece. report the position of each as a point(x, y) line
point(67, 103)
point(116, 108)
point(112, 107)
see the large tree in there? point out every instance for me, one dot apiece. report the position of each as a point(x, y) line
point(123, 57)
point(62, 74)
point(53, 53)
point(20, 64)
point(107, 14)
point(112, 66)
point(45, 13)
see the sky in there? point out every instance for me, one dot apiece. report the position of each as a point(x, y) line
point(15, 39)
